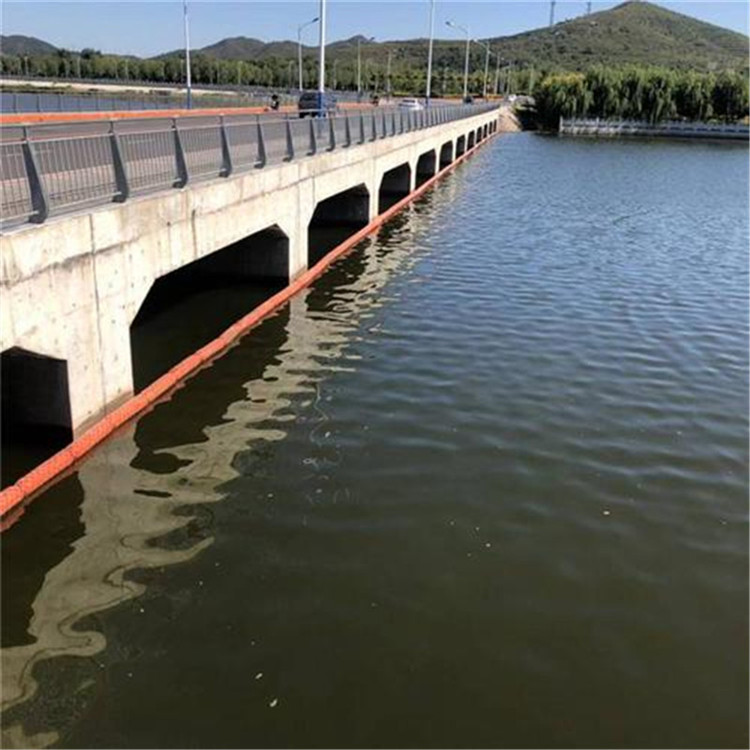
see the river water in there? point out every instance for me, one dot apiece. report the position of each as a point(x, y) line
point(483, 485)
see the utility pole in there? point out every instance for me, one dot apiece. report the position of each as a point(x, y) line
point(188, 80)
point(428, 87)
point(552, 13)
point(588, 8)
point(497, 75)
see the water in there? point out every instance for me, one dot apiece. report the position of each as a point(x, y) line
point(485, 484)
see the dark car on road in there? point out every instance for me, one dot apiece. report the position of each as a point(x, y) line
point(316, 104)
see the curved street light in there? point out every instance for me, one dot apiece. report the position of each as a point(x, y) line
point(428, 87)
point(300, 29)
point(466, 62)
point(486, 46)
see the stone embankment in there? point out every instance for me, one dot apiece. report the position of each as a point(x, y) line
point(508, 122)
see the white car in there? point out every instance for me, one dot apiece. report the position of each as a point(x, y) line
point(410, 103)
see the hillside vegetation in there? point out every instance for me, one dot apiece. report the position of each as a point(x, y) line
point(17, 44)
point(637, 33)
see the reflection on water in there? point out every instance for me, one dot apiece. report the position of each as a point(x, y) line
point(144, 491)
point(484, 484)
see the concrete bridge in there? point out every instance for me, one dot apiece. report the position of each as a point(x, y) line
point(79, 269)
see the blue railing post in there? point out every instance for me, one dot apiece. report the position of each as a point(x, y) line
point(331, 135)
point(348, 131)
point(37, 191)
point(121, 174)
point(226, 152)
point(182, 170)
point(262, 159)
point(289, 141)
point(361, 127)
point(313, 139)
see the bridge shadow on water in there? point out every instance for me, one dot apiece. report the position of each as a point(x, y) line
point(148, 497)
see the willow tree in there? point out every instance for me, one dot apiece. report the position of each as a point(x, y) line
point(562, 95)
point(730, 96)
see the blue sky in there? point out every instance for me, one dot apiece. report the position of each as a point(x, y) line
point(147, 28)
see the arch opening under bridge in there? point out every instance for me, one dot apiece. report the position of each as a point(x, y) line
point(36, 416)
point(395, 185)
point(189, 307)
point(425, 167)
point(335, 219)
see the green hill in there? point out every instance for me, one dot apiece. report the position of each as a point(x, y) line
point(16, 44)
point(634, 32)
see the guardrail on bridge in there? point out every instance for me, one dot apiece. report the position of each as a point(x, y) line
point(46, 170)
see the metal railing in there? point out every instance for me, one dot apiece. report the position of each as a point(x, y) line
point(47, 170)
point(26, 102)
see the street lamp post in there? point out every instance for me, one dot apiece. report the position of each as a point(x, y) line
point(497, 75)
point(300, 29)
point(428, 88)
point(486, 46)
point(510, 78)
point(188, 79)
point(466, 62)
point(359, 63)
point(322, 51)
